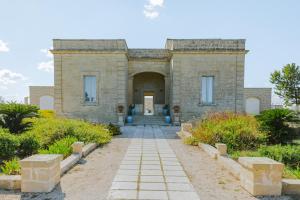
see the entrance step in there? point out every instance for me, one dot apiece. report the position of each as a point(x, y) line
point(149, 120)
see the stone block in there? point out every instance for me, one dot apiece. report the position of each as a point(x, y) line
point(77, 147)
point(222, 148)
point(291, 186)
point(10, 182)
point(210, 150)
point(232, 166)
point(40, 172)
point(261, 176)
point(88, 148)
point(186, 127)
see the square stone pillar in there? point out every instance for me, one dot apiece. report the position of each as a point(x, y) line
point(222, 149)
point(77, 147)
point(40, 172)
point(186, 127)
point(261, 176)
point(121, 119)
point(176, 117)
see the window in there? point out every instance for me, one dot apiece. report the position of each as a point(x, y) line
point(207, 89)
point(90, 89)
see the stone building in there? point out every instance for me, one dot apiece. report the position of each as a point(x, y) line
point(92, 78)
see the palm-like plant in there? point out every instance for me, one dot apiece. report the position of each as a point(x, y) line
point(12, 116)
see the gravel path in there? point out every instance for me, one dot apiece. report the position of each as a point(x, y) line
point(93, 177)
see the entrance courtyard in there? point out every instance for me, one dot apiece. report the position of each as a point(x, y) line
point(145, 162)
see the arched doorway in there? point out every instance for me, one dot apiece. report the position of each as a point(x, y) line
point(148, 93)
point(46, 103)
point(252, 106)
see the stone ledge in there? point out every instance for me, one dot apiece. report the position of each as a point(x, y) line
point(232, 166)
point(10, 182)
point(291, 186)
point(210, 150)
point(69, 162)
point(88, 149)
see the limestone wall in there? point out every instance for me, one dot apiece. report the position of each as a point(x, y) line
point(228, 72)
point(36, 92)
point(264, 95)
point(111, 71)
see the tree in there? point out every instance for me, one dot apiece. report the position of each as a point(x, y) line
point(287, 84)
point(12, 116)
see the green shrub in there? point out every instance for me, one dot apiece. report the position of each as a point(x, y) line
point(49, 130)
point(11, 167)
point(12, 116)
point(191, 141)
point(46, 113)
point(114, 129)
point(275, 123)
point(289, 154)
point(8, 145)
point(239, 132)
point(63, 146)
point(28, 145)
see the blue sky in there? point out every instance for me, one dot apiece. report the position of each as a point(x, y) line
point(27, 27)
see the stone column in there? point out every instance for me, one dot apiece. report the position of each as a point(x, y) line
point(121, 119)
point(130, 90)
point(40, 172)
point(261, 176)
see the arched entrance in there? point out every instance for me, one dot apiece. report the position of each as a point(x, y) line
point(148, 93)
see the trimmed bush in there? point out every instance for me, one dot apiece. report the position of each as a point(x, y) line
point(49, 130)
point(28, 145)
point(63, 146)
point(8, 145)
point(12, 116)
point(114, 129)
point(46, 113)
point(239, 132)
point(11, 167)
point(275, 123)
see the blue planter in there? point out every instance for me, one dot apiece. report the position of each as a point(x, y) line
point(168, 119)
point(129, 119)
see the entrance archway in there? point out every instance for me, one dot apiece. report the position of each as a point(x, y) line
point(148, 92)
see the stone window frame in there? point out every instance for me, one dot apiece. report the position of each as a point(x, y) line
point(82, 97)
point(215, 74)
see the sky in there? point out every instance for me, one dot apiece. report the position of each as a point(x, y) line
point(271, 29)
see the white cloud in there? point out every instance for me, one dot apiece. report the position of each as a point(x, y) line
point(47, 53)
point(151, 8)
point(8, 77)
point(3, 46)
point(46, 66)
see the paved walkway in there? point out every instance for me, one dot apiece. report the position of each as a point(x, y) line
point(150, 170)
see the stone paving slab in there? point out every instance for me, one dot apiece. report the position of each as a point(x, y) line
point(151, 170)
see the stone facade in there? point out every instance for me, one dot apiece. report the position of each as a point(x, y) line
point(263, 95)
point(124, 76)
point(38, 93)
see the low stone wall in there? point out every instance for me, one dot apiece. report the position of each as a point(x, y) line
point(291, 186)
point(258, 175)
point(40, 173)
point(10, 182)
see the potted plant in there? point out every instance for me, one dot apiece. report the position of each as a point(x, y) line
point(165, 109)
point(120, 108)
point(176, 109)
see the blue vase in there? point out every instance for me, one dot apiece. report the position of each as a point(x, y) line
point(168, 119)
point(129, 119)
